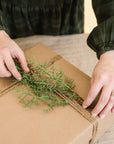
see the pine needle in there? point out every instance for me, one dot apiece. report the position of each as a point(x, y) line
point(42, 84)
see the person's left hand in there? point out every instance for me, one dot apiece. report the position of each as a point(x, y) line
point(102, 79)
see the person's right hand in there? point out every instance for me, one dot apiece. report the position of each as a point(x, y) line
point(9, 50)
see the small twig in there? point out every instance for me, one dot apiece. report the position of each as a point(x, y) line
point(42, 84)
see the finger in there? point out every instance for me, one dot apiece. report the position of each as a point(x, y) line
point(11, 65)
point(107, 108)
point(3, 71)
point(93, 92)
point(92, 80)
point(23, 61)
point(112, 110)
point(103, 100)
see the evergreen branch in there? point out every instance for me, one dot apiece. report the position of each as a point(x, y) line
point(42, 85)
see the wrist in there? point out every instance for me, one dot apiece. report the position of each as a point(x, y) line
point(107, 54)
point(3, 34)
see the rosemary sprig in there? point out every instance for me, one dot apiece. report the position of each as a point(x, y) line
point(42, 85)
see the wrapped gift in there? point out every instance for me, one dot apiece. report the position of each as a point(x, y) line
point(70, 124)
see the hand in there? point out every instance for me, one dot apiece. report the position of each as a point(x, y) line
point(102, 79)
point(9, 50)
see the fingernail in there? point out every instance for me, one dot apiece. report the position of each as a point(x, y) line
point(19, 79)
point(94, 114)
point(102, 116)
point(84, 106)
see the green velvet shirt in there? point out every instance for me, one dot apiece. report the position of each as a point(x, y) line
point(21, 18)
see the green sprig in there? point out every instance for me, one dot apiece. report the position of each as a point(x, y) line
point(42, 83)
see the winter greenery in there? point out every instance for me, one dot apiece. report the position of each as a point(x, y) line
point(42, 84)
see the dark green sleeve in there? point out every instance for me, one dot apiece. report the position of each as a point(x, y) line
point(3, 24)
point(101, 39)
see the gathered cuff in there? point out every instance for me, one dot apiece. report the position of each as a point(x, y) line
point(3, 24)
point(101, 39)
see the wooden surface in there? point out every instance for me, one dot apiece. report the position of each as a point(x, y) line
point(75, 50)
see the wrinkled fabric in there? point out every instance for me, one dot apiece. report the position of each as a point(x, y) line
point(49, 17)
point(101, 39)
point(21, 18)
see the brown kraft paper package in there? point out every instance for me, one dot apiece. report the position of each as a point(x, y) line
point(70, 124)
